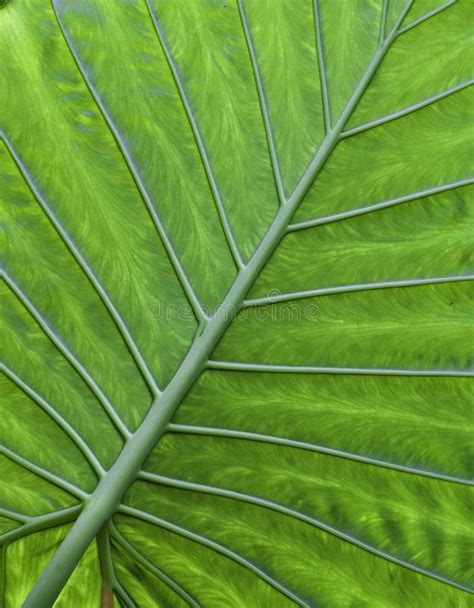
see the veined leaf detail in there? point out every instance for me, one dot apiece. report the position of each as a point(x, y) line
point(236, 300)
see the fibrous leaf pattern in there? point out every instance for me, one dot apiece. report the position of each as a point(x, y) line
point(236, 291)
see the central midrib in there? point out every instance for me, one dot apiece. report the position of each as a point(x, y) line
point(103, 503)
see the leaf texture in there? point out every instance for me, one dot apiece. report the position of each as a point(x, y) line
point(237, 299)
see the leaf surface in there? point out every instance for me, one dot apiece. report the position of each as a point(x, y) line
point(237, 299)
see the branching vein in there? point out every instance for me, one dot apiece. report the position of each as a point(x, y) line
point(143, 561)
point(310, 369)
point(311, 447)
point(135, 173)
point(333, 137)
point(69, 356)
point(263, 104)
point(41, 522)
point(59, 482)
point(110, 582)
point(325, 291)
point(84, 265)
point(124, 596)
point(60, 421)
point(426, 16)
point(279, 508)
point(230, 237)
point(112, 487)
point(210, 544)
point(407, 110)
point(383, 22)
point(12, 515)
point(406, 198)
point(323, 78)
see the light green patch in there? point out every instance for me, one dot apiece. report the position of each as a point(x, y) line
point(27, 558)
point(144, 587)
point(348, 253)
point(350, 37)
point(153, 111)
point(284, 39)
point(93, 193)
point(388, 161)
point(429, 418)
point(280, 543)
point(395, 88)
point(25, 429)
point(211, 579)
point(215, 69)
point(37, 362)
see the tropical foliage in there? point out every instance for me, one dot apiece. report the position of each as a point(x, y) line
point(237, 303)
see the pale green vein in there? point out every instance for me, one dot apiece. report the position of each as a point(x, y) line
point(109, 577)
point(87, 270)
point(218, 548)
point(14, 516)
point(135, 173)
point(41, 522)
point(262, 98)
point(60, 422)
point(383, 21)
point(311, 447)
point(279, 508)
point(426, 16)
point(124, 596)
point(333, 137)
point(107, 570)
point(69, 356)
point(59, 482)
point(406, 198)
point(309, 369)
point(324, 291)
point(227, 229)
point(323, 79)
point(148, 565)
point(407, 110)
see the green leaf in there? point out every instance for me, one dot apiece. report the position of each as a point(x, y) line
point(237, 293)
